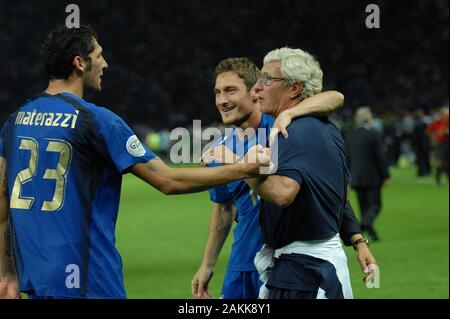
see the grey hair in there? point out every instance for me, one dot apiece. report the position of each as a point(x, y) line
point(298, 66)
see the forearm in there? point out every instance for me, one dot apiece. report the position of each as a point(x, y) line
point(188, 180)
point(6, 256)
point(259, 186)
point(275, 189)
point(355, 237)
point(319, 104)
point(350, 225)
point(7, 268)
point(221, 221)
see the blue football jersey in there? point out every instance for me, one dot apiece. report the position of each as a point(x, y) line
point(65, 160)
point(247, 235)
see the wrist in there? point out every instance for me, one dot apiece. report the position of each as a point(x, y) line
point(208, 265)
point(249, 169)
point(360, 243)
point(288, 113)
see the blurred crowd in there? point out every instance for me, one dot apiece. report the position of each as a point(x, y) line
point(162, 53)
point(411, 138)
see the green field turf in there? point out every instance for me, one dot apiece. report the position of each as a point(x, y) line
point(161, 239)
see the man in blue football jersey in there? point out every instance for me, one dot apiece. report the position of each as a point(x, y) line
point(239, 107)
point(61, 165)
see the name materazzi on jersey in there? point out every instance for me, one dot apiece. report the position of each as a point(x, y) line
point(47, 119)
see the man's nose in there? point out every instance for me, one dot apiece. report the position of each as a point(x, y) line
point(222, 99)
point(257, 89)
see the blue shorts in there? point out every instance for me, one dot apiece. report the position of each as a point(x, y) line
point(241, 285)
point(300, 276)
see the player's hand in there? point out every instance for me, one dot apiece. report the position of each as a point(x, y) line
point(281, 123)
point(200, 282)
point(9, 288)
point(260, 156)
point(257, 154)
point(387, 182)
point(219, 154)
point(366, 261)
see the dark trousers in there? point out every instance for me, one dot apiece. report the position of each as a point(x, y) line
point(369, 199)
point(442, 165)
point(299, 276)
point(423, 163)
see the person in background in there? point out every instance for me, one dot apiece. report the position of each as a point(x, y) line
point(439, 132)
point(368, 167)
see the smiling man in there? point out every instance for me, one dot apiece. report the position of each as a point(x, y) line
point(238, 105)
point(60, 181)
point(303, 202)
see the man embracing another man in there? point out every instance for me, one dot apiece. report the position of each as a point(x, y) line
point(303, 201)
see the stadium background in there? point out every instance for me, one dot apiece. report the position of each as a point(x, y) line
point(161, 56)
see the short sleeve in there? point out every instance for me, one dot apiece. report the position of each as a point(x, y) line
point(288, 157)
point(117, 141)
point(219, 194)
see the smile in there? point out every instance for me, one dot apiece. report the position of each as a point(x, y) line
point(227, 109)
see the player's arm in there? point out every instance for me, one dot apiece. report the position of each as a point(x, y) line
point(350, 225)
point(319, 104)
point(219, 228)
point(277, 189)
point(171, 180)
point(365, 258)
point(351, 235)
point(8, 279)
point(280, 190)
point(6, 261)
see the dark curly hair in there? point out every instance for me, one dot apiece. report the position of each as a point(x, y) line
point(246, 69)
point(63, 45)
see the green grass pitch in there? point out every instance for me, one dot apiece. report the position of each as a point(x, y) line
point(161, 240)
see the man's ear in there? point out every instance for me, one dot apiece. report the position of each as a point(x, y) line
point(79, 63)
point(296, 90)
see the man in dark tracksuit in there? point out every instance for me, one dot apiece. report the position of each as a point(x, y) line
point(368, 167)
point(421, 145)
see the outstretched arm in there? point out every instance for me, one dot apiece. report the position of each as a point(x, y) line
point(9, 287)
point(219, 228)
point(171, 180)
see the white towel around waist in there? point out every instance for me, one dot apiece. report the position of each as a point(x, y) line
point(329, 249)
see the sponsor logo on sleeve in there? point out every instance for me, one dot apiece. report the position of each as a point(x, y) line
point(134, 147)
